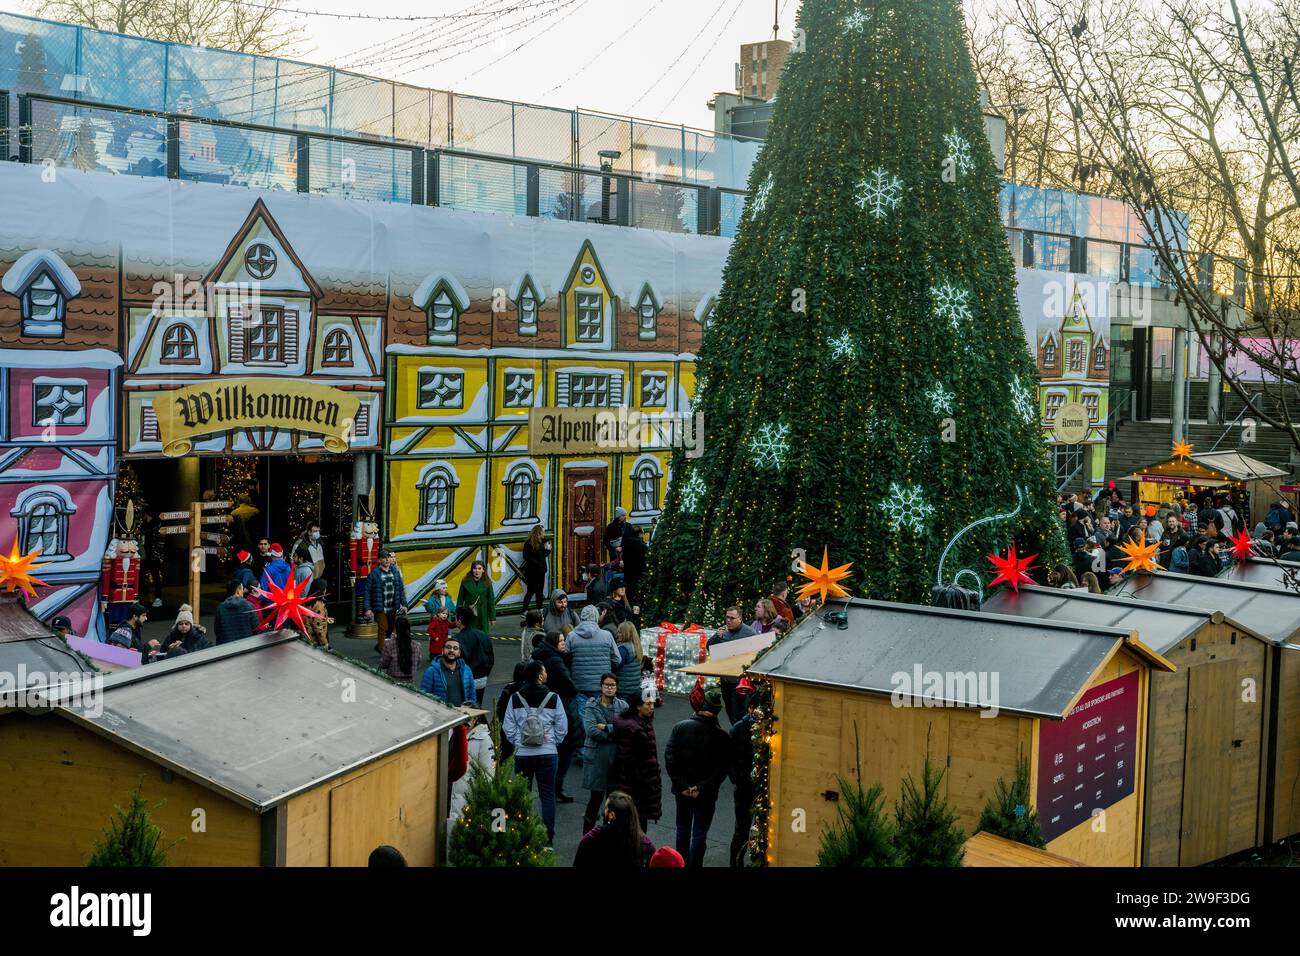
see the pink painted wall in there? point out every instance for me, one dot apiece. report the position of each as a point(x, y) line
point(81, 524)
point(99, 411)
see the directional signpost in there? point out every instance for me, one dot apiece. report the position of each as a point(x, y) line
point(202, 543)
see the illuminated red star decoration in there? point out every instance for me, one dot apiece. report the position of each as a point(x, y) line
point(1141, 557)
point(1012, 570)
point(1183, 449)
point(1241, 546)
point(16, 571)
point(287, 603)
point(822, 581)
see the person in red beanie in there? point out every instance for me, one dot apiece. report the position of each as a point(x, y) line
point(667, 856)
point(617, 842)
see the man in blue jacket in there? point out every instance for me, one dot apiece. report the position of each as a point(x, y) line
point(384, 596)
point(277, 569)
point(448, 678)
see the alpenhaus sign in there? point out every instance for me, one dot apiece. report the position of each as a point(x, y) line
point(197, 411)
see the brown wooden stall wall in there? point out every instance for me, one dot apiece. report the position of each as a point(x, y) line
point(62, 782)
point(1204, 788)
point(393, 801)
point(1286, 763)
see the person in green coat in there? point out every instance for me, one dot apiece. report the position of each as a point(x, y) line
point(476, 593)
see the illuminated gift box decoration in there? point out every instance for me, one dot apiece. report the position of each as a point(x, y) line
point(673, 648)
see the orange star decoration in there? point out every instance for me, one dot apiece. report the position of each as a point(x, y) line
point(1241, 546)
point(1183, 449)
point(1141, 557)
point(16, 571)
point(823, 580)
point(288, 603)
point(1011, 569)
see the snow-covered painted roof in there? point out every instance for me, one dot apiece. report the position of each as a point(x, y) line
point(348, 243)
point(424, 291)
point(702, 307)
point(59, 358)
point(22, 272)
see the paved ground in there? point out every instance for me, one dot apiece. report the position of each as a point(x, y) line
point(568, 821)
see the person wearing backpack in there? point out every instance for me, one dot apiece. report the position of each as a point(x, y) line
point(552, 653)
point(535, 722)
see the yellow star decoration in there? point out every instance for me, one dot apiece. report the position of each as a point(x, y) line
point(1141, 557)
point(822, 580)
point(1182, 449)
point(16, 571)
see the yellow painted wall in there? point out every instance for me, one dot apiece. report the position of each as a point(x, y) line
point(404, 493)
point(406, 392)
point(62, 783)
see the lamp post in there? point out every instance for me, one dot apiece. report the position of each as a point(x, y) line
point(607, 157)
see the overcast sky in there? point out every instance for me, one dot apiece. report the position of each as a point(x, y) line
point(657, 59)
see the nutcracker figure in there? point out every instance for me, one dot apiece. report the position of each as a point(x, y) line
point(364, 548)
point(120, 579)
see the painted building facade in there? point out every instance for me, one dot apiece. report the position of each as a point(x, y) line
point(181, 304)
point(59, 370)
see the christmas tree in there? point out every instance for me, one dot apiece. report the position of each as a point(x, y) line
point(865, 384)
point(928, 834)
point(499, 826)
point(863, 836)
point(132, 838)
point(1009, 813)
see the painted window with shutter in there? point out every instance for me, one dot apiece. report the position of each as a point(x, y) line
point(361, 428)
point(235, 334)
point(148, 423)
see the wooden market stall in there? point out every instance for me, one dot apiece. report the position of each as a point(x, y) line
point(978, 690)
point(1266, 571)
point(264, 751)
point(1164, 482)
point(1206, 740)
point(1273, 613)
point(31, 655)
point(989, 849)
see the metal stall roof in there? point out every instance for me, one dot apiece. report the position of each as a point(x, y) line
point(1266, 610)
point(1159, 626)
point(1042, 666)
point(262, 719)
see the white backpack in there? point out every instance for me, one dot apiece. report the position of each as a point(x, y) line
point(532, 732)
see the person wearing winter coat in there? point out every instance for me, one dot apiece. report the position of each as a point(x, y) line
point(448, 677)
point(593, 652)
point(442, 611)
point(619, 843)
point(245, 573)
point(185, 636)
point(234, 618)
point(635, 554)
point(733, 629)
point(531, 634)
point(478, 741)
point(623, 609)
point(476, 593)
point(317, 629)
point(553, 653)
point(741, 772)
point(697, 758)
point(614, 536)
point(535, 722)
point(596, 589)
point(558, 613)
point(780, 590)
point(598, 754)
point(383, 596)
point(277, 570)
point(476, 650)
point(400, 659)
point(503, 699)
point(631, 663)
point(636, 760)
point(1279, 514)
point(537, 551)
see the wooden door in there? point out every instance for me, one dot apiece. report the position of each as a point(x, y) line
point(363, 815)
point(584, 523)
point(1207, 770)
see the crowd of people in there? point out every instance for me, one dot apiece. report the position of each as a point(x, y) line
point(1193, 534)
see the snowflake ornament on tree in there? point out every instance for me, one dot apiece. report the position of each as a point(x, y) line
point(906, 505)
point(856, 22)
point(879, 191)
point(843, 346)
point(959, 151)
point(692, 492)
point(940, 398)
point(770, 445)
point(760, 195)
point(951, 302)
point(1022, 401)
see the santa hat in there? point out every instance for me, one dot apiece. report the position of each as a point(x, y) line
point(666, 856)
point(243, 556)
point(277, 551)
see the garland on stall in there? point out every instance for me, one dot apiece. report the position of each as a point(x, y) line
point(761, 807)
